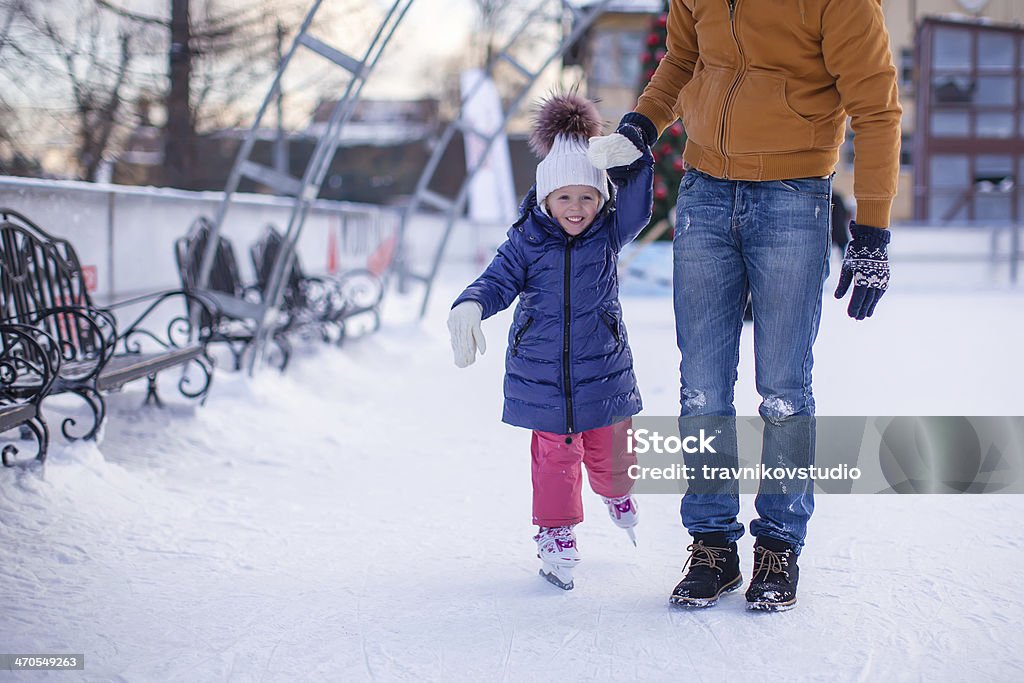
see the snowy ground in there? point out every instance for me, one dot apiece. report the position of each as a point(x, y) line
point(366, 517)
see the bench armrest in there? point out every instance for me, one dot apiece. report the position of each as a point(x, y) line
point(85, 335)
point(181, 330)
point(29, 362)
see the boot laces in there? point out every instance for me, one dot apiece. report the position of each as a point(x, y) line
point(704, 556)
point(622, 504)
point(562, 536)
point(771, 562)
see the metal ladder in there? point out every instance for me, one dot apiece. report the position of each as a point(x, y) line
point(303, 190)
point(579, 19)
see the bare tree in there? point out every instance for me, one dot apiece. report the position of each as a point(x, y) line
point(218, 58)
point(102, 58)
point(73, 54)
point(92, 70)
point(536, 28)
point(236, 52)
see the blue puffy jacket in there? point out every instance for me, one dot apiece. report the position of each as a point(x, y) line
point(568, 367)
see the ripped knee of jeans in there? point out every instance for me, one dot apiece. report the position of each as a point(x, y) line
point(694, 400)
point(776, 409)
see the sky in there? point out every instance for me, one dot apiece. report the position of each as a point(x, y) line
point(432, 30)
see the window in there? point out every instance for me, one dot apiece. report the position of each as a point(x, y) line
point(617, 59)
point(995, 51)
point(906, 150)
point(846, 151)
point(949, 170)
point(951, 124)
point(907, 70)
point(947, 89)
point(993, 125)
point(993, 184)
point(995, 90)
point(951, 49)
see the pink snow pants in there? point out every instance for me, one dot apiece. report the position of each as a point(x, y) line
point(558, 481)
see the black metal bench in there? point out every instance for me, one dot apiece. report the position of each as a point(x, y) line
point(29, 360)
point(324, 302)
point(41, 285)
point(237, 309)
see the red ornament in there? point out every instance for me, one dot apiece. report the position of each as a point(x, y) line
point(660, 192)
point(666, 150)
point(649, 75)
point(653, 40)
point(678, 164)
point(676, 129)
point(663, 20)
point(659, 55)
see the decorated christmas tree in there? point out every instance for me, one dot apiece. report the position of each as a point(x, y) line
point(668, 150)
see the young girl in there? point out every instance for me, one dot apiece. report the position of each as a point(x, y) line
point(569, 371)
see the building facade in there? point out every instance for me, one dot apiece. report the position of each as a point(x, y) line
point(613, 48)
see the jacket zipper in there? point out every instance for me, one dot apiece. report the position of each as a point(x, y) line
point(733, 86)
point(567, 319)
point(519, 335)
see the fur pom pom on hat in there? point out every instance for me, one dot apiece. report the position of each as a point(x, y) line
point(562, 127)
point(563, 114)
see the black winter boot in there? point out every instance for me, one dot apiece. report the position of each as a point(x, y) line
point(714, 569)
point(773, 587)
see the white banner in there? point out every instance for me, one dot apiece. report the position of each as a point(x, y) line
point(491, 191)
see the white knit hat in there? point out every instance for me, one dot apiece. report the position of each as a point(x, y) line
point(563, 126)
point(567, 164)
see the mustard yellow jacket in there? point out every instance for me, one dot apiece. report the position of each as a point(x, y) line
point(764, 87)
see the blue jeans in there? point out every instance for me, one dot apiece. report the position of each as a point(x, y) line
point(770, 239)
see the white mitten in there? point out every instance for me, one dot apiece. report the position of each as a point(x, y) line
point(609, 151)
point(464, 328)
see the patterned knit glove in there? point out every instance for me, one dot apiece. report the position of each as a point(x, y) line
point(866, 265)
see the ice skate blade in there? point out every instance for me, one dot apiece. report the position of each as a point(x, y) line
point(554, 580)
point(632, 535)
point(761, 606)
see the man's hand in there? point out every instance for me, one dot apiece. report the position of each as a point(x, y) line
point(866, 265)
point(466, 335)
point(630, 140)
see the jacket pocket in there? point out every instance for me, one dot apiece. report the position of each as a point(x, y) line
point(612, 323)
point(519, 335)
point(761, 119)
point(700, 104)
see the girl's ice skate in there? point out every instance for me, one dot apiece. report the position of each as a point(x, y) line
point(556, 548)
point(624, 513)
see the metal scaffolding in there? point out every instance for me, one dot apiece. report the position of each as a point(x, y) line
point(573, 21)
point(303, 190)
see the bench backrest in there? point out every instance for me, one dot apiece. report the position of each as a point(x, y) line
point(264, 254)
point(189, 250)
point(38, 273)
